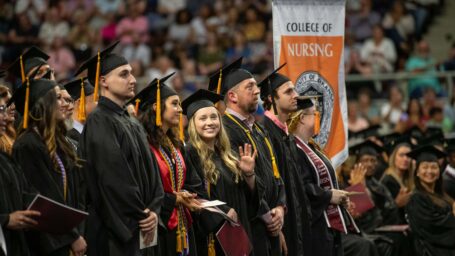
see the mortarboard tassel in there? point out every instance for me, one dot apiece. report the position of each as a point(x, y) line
point(136, 107)
point(158, 104)
point(97, 78)
point(317, 123)
point(211, 247)
point(81, 113)
point(181, 132)
point(22, 69)
point(179, 242)
point(27, 98)
point(218, 87)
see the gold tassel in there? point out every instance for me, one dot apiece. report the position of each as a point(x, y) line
point(136, 107)
point(276, 173)
point(22, 69)
point(218, 88)
point(317, 122)
point(158, 105)
point(97, 78)
point(179, 242)
point(181, 132)
point(81, 115)
point(185, 242)
point(211, 247)
point(26, 106)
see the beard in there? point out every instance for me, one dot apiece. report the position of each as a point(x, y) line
point(251, 108)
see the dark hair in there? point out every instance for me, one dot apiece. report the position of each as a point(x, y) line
point(43, 117)
point(155, 135)
point(267, 104)
point(418, 103)
point(435, 110)
point(438, 189)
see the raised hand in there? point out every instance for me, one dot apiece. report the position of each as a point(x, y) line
point(247, 159)
point(357, 174)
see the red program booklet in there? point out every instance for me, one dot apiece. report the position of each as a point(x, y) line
point(234, 240)
point(56, 218)
point(359, 198)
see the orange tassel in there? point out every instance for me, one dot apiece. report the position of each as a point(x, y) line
point(97, 78)
point(136, 107)
point(81, 114)
point(22, 69)
point(317, 123)
point(179, 242)
point(218, 88)
point(211, 247)
point(26, 106)
point(181, 132)
point(158, 105)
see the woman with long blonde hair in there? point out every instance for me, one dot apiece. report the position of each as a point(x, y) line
point(398, 177)
point(8, 137)
point(226, 176)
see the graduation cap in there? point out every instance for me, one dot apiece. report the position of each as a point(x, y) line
point(271, 83)
point(366, 147)
point(79, 89)
point(101, 64)
point(450, 145)
point(427, 153)
point(28, 94)
point(305, 102)
point(372, 130)
point(228, 77)
point(415, 132)
point(148, 95)
point(200, 99)
point(401, 140)
point(30, 59)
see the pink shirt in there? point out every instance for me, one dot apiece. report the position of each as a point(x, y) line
point(277, 121)
point(127, 26)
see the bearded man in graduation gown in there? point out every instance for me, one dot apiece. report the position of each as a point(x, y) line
point(241, 99)
point(124, 185)
point(280, 100)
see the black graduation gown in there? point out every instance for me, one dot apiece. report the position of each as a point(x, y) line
point(324, 241)
point(167, 238)
point(433, 226)
point(122, 180)
point(449, 184)
point(236, 195)
point(298, 215)
point(394, 188)
point(30, 152)
point(13, 197)
point(73, 134)
point(274, 193)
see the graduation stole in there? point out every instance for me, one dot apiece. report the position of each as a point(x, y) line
point(211, 238)
point(173, 173)
point(64, 178)
point(332, 214)
point(276, 172)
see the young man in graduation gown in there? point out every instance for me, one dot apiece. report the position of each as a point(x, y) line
point(81, 91)
point(13, 190)
point(329, 217)
point(448, 176)
point(385, 212)
point(32, 61)
point(124, 185)
point(280, 100)
point(241, 99)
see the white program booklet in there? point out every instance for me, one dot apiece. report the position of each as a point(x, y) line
point(154, 242)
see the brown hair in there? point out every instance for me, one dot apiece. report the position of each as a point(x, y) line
point(7, 140)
